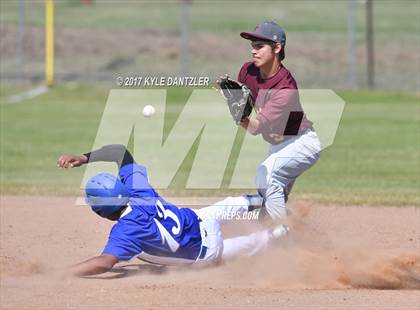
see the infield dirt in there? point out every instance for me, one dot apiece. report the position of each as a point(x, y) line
point(334, 258)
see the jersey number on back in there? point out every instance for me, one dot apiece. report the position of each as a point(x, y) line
point(166, 236)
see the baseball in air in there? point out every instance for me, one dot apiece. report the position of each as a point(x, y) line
point(148, 111)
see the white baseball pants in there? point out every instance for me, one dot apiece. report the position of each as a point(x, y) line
point(231, 208)
point(284, 163)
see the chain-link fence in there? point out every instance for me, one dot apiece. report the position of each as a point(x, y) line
point(98, 40)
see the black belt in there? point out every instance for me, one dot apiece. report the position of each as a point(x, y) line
point(203, 252)
point(203, 249)
point(288, 137)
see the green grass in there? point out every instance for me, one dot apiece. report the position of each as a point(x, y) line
point(374, 159)
point(34, 132)
point(219, 16)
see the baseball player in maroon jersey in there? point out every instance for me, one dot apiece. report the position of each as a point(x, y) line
point(293, 143)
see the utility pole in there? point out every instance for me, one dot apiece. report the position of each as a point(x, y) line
point(20, 44)
point(184, 37)
point(351, 39)
point(370, 53)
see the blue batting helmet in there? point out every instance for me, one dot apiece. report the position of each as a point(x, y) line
point(106, 194)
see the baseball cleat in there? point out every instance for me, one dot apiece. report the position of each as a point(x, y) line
point(280, 231)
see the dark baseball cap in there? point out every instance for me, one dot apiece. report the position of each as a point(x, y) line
point(268, 31)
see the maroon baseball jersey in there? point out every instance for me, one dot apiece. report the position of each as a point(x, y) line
point(277, 103)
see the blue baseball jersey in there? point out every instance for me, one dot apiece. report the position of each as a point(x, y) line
point(152, 228)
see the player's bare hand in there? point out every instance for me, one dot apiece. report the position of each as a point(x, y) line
point(71, 161)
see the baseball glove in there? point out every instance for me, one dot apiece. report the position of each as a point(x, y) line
point(238, 97)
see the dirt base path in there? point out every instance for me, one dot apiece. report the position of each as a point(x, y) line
point(335, 258)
